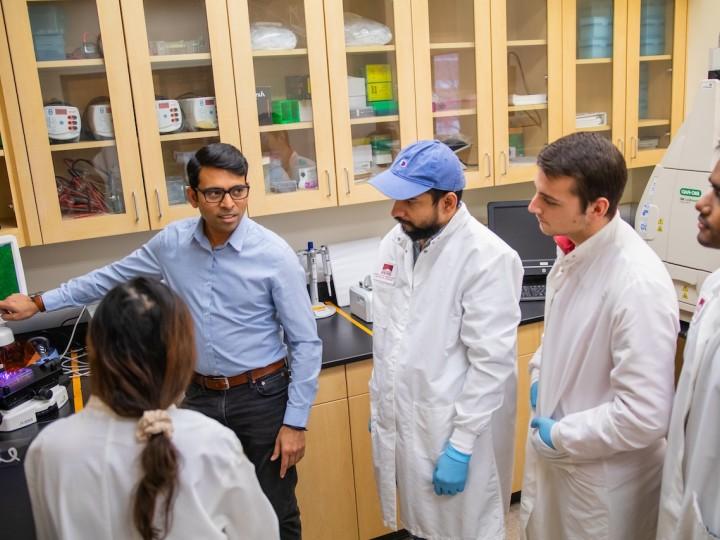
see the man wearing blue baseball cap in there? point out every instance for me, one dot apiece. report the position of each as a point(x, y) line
point(445, 308)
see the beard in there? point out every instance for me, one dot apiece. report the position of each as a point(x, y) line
point(419, 233)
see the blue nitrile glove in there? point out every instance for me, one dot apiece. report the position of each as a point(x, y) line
point(533, 394)
point(544, 426)
point(451, 472)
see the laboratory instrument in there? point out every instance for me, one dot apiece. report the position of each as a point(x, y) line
point(63, 122)
point(666, 217)
point(100, 121)
point(199, 112)
point(361, 299)
point(169, 115)
point(311, 257)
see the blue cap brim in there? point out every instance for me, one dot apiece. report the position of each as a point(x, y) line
point(396, 187)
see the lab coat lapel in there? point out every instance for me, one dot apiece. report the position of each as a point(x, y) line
point(584, 260)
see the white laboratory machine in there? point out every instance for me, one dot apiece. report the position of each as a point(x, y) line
point(100, 121)
point(666, 216)
point(63, 123)
point(361, 300)
point(199, 112)
point(169, 115)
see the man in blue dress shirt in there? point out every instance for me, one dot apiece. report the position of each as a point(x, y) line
point(246, 290)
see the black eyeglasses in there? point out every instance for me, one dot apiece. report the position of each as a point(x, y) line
point(215, 195)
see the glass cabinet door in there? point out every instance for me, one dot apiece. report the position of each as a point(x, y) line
point(69, 60)
point(18, 214)
point(595, 66)
point(372, 90)
point(181, 74)
point(283, 103)
point(453, 84)
point(527, 40)
point(655, 77)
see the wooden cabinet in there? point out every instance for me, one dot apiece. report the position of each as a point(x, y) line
point(324, 155)
point(529, 337)
point(18, 215)
point(179, 56)
point(492, 91)
point(133, 87)
point(615, 52)
point(69, 60)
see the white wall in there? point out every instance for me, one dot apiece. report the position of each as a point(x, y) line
point(703, 30)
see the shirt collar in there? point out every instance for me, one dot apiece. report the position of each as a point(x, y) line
point(593, 245)
point(236, 240)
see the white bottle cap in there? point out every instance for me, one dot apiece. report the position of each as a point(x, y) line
point(6, 335)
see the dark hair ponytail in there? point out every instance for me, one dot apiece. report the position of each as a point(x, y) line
point(141, 349)
point(159, 461)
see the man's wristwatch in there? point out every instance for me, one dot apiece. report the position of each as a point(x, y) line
point(38, 301)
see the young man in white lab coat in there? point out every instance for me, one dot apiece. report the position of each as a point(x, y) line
point(602, 379)
point(690, 500)
point(445, 307)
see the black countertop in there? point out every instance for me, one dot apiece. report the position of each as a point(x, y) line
point(345, 342)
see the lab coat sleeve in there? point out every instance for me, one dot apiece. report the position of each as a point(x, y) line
point(292, 303)
point(534, 366)
point(644, 335)
point(93, 286)
point(491, 314)
point(44, 529)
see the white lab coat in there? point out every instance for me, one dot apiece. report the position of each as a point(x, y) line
point(605, 367)
point(444, 370)
point(690, 500)
point(82, 471)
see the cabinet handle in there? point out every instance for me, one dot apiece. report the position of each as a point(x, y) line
point(347, 180)
point(327, 178)
point(504, 162)
point(621, 146)
point(634, 144)
point(486, 157)
point(137, 214)
point(157, 198)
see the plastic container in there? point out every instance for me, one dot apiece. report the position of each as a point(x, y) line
point(47, 23)
point(285, 111)
point(595, 29)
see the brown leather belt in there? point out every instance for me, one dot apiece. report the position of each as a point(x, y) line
point(225, 383)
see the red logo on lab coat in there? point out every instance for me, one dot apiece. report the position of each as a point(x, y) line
point(387, 269)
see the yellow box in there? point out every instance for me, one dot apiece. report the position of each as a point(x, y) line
point(382, 91)
point(378, 73)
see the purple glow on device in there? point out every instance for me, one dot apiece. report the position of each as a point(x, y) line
point(14, 380)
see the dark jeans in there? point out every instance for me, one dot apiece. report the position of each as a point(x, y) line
point(255, 413)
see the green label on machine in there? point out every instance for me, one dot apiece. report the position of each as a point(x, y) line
point(690, 193)
point(8, 278)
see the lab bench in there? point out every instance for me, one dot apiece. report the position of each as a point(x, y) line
point(338, 462)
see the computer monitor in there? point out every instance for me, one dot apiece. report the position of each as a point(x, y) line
point(512, 222)
point(12, 277)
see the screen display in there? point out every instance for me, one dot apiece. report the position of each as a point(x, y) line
point(8, 274)
point(520, 229)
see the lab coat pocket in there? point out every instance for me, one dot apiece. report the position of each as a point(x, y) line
point(431, 429)
point(691, 525)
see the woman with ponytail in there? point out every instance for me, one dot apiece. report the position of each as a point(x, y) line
point(131, 465)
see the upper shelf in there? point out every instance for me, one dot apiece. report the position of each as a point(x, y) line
point(284, 52)
point(361, 49)
point(656, 58)
point(83, 65)
point(527, 43)
point(452, 46)
point(166, 61)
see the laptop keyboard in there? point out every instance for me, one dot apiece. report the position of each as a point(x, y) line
point(532, 292)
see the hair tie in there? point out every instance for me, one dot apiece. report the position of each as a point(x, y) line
point(154, 422)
